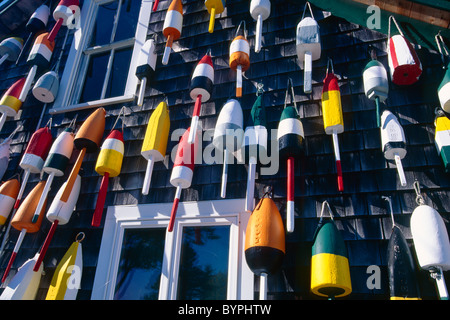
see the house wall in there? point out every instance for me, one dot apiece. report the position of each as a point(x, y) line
point(361, 214)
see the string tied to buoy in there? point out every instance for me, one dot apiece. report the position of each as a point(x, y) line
point(431, 241)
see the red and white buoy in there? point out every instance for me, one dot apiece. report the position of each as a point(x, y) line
point(202, 83)
point(183, 171)
point(63, 15)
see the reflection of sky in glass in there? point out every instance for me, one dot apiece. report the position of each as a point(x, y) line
point(204, 263)
point(140, 264)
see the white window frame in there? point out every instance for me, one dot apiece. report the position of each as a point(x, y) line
point(240, 283)
point(74, 59)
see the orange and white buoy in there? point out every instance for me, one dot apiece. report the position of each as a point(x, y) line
point(173, 24)
point(239, 57)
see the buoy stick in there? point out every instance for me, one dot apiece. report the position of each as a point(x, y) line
point(338, 162)
point(155, 5)
point(48, 184)
point(377, 110)
point(3, 58)
point(212, 19)
point(24, 48)
point(440, 282)
point(258, 34)
point(400, 171)
point(28, 83)
point(2, 120)
point(52, 35)
point(174, 209)
point(250, 184)
point(223, 189)
point(263, 286)
point(148, 176)
point(142, 92)
point(47, 241)
point(97, 218)
point(290, 195)
point(194, 121)
point(73, 176)
point(167, 49)
point(239, 81)
point(14, 253)
point(307, 73)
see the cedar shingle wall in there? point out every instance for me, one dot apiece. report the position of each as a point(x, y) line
point(359, 211)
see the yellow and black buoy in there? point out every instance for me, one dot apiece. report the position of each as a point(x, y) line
point(330, 271)
point(265, 241)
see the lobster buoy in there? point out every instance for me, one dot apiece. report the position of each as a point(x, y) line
point(444, 91)
point(155, 141)
point(46, 87)
point(25, 283)
point(68, 271)
point(63, 14)
point(431, 241)
point(239, 57)
point(214, 7)
point(260, 11)
point(442, 138)
point(8, 194)
point(228, 135)
point(265, 241)
point(308, 48)
point(10, 102)
point(10, 49)
point(330, 271)
point(404, 64)
point(173, 24)
point(146, 67)
point(376, 85)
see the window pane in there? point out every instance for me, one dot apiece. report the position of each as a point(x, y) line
point(101, 32)
point(95, 76)
point(119, 73)
point(129, 14)
point(140, 264)
point(204, 263)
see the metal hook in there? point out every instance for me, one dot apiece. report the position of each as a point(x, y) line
point(388, 199)
point(330, 61)
point(77, 239)
point(239, 27)
point(329, 210)
point(73, 122)
point(49, 123)
point(419, 199)
point(310, 10)
point(259, 88)
point(289, 84)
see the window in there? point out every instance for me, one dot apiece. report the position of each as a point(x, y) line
point(139, 260)
point(100, 68)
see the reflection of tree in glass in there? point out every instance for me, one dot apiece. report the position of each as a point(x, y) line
point(204, 263)
point(142, 251)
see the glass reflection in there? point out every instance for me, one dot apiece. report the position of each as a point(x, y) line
point(204, 263)
point(140, 264)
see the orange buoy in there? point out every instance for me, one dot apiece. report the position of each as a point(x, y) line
point(173, 24)
point(239, 57)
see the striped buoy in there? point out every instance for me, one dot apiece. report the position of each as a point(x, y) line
point(62, 14)
point(67, 276)
point(254, 143)
point(146, 67)
point(25, 283)
point(202, 83)
point(330, 271)
point(59, 213)
point(444, 91)
point(37, 150)
point(109, 164)
point(260, 11)
point(290, 138)
point(239, 57)
point(46, 87)
point(182, 171)
point(173, 25)
point(8, 194)
point(228, 135)
point(10, 103)
point(39, 58)
point(376, 85)
point(333, 119)
point(404, 64)
point(56, 162)
point(442, 138)
point(10, 49)
point(155, 141)
point(265, 241)
point(214, 7)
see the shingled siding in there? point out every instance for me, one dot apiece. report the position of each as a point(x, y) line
point(360, 212)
